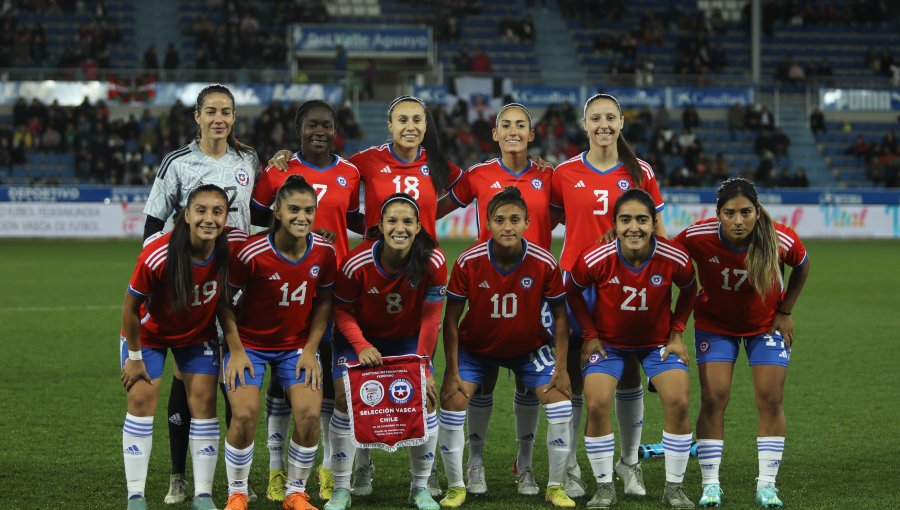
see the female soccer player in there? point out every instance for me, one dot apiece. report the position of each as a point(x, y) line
point(336, 182)
point(388, 300)
point(505, 280)
point(740, 255)
point(214, 157)
point(633, 277)
point(513, 132)
point(583, 189)
point(171, 303)
point(286, 277)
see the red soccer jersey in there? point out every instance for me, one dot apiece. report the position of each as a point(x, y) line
point(160, 325)
point(634, 305)
point(279, 295)
point(504, 316)
point(383, 173)
point(385, 305)
point(578, 187)
point(337, 190)
point(728, 304)
point(481, 182)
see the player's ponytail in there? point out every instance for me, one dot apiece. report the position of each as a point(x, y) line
point(232, 140)
point(438, 166)
point(509, 195)
point(423, 245)
point(179, 268)
point(626, 154)
point(293, 184)
point(762, 263)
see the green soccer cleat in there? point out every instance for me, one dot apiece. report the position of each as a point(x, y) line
point(340, 500)
point(455, 497)
point(203, 502)
point(712, 495)
point(137, 503)
point(420, 498)
point(767, 496)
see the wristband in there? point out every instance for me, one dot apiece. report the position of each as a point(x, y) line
point(137, 355)
point(782, 312)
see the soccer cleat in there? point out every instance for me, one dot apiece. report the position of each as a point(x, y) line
point(137, 503)
point(420, 498)
point(651, 450)
point(434, 483)
point(605, 496)
point(326, 483)
point(177, 489)
point(251, 496)
point(362, 480)
point(767, 496)
point(477, 484)
point(277, 481)
point(455, 497)
point(557, 497)
point(674, 496)
point(573, 484)
point(340, 500)
point(712, 495)
point(632, 477)
point(297, 501)
point(237, 501)
point(203, 502)
point(525, 484)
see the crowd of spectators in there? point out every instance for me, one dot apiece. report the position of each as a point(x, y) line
point(880, 158)
point(128, 150)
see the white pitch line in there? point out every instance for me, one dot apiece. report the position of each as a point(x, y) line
point(80, 308)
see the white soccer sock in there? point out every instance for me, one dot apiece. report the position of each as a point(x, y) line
point(324, 424)
point(342, 449)
point(600, 452)
point(421, 458)
point(480, 408)
point(709, 455)
point(203, 440)
point(677, 448)
point(527, 409)
point(577, 405)
point(452, 439)
point(237, 467)
point(278, 421)
point(137, 441)
point(630, 415)
point(300, 462)
point(559, 440)
point(769, 450)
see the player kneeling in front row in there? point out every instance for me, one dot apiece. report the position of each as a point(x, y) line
point(505, 279)
point(287, 277)
point(634, 276)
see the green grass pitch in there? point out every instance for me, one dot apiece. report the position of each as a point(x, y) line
point(62, 406)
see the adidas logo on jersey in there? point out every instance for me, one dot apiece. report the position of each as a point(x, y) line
point(496, 185)
point(579, 184)
point(714, 260)
point(614, 280)
point(373, 290)
point(275, 276)
point(484, 285)
point(386, 170)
